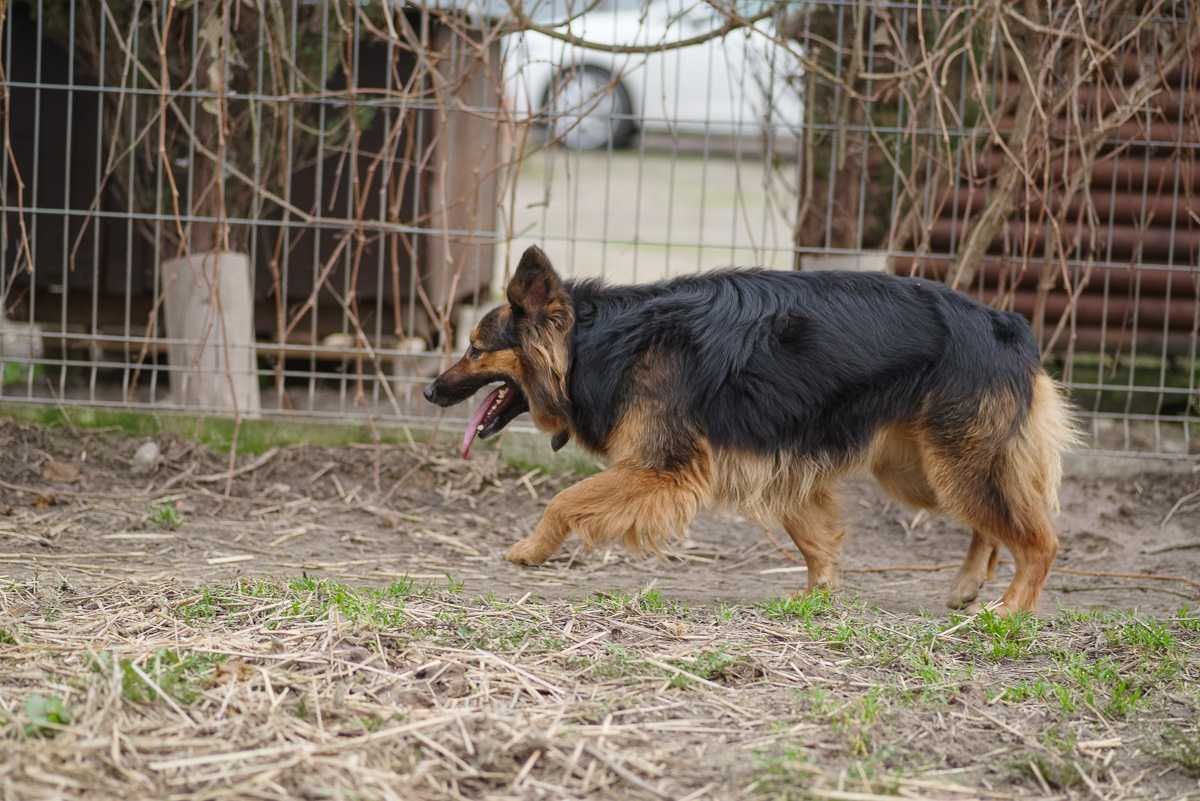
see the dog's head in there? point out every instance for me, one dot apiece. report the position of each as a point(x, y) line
point(524, 347)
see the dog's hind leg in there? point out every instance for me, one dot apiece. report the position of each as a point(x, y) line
point(977, 568)
point(816, 528)
point(1005, 485)
point(896, 462)
point(1000, 504)
point(638, 506)
point(896, 465)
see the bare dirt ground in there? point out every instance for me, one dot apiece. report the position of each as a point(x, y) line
point(338, 622)
point(369, 514)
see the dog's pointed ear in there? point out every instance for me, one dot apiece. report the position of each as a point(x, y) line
point(534, 284)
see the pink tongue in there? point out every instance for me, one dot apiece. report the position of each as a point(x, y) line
point(476, 419)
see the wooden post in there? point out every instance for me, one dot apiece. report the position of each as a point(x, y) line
point(463, 192)
point(210, 322)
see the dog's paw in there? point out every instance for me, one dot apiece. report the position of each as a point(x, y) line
point(526, 552)
point(963, 596)
point(828, 584)
point(965, 593)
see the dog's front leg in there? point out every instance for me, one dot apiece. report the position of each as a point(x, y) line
point(547, 538)
point(635, 505)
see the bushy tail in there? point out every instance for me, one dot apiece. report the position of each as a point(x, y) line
point(1049, 429)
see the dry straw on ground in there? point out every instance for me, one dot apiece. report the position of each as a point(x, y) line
point(312, 689)
point(180, 635)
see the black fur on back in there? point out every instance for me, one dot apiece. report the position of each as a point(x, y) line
point(811, 362)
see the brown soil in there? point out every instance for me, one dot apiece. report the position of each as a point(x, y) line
point(366, 514)
point(150, 648)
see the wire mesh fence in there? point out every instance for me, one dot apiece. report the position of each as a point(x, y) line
point(297, 207)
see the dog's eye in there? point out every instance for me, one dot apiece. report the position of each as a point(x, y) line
point(472, 352)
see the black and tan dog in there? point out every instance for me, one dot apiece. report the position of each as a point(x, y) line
point(759, 389)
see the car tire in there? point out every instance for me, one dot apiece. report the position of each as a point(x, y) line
point(604, 121)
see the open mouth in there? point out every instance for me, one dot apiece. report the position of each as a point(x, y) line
point(500, 406)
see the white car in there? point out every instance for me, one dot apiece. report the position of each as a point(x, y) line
point(743, 83)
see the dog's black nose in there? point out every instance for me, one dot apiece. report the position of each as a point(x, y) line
point(430, 393)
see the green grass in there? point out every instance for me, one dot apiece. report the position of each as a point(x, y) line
point(1056, 681)
point(254, 436)
point(816, 702)
point(7, 637)
point(181, 675)
point(725, 613)
point(1180, 750)
point(1146, 635)
point(1188, 619)
point(166, 516)
point(713, 665)
point(46, 715)
point(616, 663)
point(315, 599)
point(1001, 638)
point(857, 720)
point(854, 719)
point(1099, 683)
point(1019, 693)
point(804, 608)
point(210, 605)
point(621, 662)
point(1056, 762)
point(520, 452)
point(783, 774)
point(1070, 666)
point(574, 462)
point(647, 601)
point(305, 598)
point(20, 373)
point(499, 634)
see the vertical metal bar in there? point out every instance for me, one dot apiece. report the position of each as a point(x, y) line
point(866, 161)
point(35, 184)
point(176, 372)
point(637, 204)
point(127, 390)
point(608, 165)
point(956, 170)
point(64, 355)
point(423, 87)
point(285, 231)
point(548, 157)
point(252, 230)
point(574, 182)
point(833, 136)
point(768, 160)
point(6, 27)
point(898, 154)
point(1192, 400)
point(1138, 258)
point(703, 228)
point(676, 55)
point(384, 174)
point(157, 267)
point(1164, 354)
point(319, 195)
point(97, 222)
point(350, 256)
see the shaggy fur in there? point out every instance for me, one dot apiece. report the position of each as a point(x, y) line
point(759, 389)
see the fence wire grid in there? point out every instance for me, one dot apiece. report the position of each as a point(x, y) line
point(298, 207)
